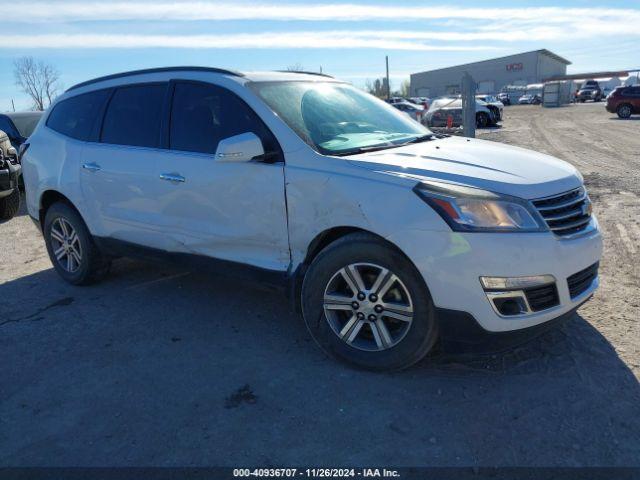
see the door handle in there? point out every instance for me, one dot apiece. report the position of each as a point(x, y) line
point(172, 177)
point(92, 167)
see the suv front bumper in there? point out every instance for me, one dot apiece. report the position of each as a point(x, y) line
point(452, 264)
point(9, 177)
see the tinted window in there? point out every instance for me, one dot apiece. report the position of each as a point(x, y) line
point(133, 116)
point(75, 116)
point(202, 115)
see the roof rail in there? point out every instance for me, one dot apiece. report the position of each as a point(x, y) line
point(306, 73)
point(155, 70)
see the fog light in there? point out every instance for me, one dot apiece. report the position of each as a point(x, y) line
point(516, 283)
point(510, 305)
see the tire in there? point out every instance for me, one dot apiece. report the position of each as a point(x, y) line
point(400, 341)
point(482, 120)
point(624, 110)
point(87, 265)
point(10, 205)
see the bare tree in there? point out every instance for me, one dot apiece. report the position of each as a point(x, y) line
point(37, 79)
point(378, 87)
point(404, 88)
point(296, 67)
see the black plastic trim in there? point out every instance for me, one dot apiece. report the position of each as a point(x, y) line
point(155, 70)
point(257, 275)
point(461, 332)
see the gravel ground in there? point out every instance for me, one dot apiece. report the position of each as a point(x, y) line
point(606, 150)
point(157, 366)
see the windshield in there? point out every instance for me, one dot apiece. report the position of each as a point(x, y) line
point(336, 118)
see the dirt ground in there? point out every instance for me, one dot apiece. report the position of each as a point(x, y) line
point(157, 366)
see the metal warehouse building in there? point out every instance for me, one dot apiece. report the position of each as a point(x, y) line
point(491, 75)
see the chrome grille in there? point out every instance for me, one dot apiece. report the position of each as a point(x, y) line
point(566, 213)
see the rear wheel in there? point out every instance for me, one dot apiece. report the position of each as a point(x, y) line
point(10, 205)
point(365, 303)
point(624, 110)
point(71, 248)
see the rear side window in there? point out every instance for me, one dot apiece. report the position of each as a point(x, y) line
point(202, 115)
point(133, 116)
point(76, 116)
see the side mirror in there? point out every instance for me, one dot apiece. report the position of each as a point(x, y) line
point(239, 148)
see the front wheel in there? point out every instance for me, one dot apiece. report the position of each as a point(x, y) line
point(365, 303)
point(10, 205)
point(624, 111)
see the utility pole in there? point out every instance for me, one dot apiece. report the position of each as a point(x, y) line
point(13, 105)
point(468, 91)
point(386, 58)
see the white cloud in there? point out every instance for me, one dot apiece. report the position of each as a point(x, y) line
point(200, 10)
point(288, 40)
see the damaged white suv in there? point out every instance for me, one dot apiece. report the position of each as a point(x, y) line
point(388, 237)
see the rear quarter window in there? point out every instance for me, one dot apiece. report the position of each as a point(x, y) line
point(75, 117)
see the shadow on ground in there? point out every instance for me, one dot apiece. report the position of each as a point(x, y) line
point(156, 366)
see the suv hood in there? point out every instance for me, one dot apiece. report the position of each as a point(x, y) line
point(476, 163)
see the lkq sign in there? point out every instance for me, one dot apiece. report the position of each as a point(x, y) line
point(514, 67)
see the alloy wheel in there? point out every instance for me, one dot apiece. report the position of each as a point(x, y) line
point(625, 111)
point(65, 245)
point(368, 307)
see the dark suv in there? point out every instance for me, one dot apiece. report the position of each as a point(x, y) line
point(590, 90)
point(624, 101)
point(19, 125)
point(9, 175)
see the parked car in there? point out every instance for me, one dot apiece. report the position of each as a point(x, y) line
point(530, 99)
point(443, 108)
point(590, 90)
point(493, 104)
point(624, 101)
point(393, 100)
point(423, 101)
point(19, 125)
point(387, 236)
point(414, 111)
point(504, 98)
point(9, 175)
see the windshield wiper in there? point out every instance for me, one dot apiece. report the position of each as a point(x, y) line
point(374, 148)
point(420, 139)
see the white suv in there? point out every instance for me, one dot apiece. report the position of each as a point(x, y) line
point(388, 236)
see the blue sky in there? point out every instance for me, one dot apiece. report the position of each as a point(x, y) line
point(85, 39)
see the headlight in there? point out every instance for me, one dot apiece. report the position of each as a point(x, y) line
point(468, 209)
